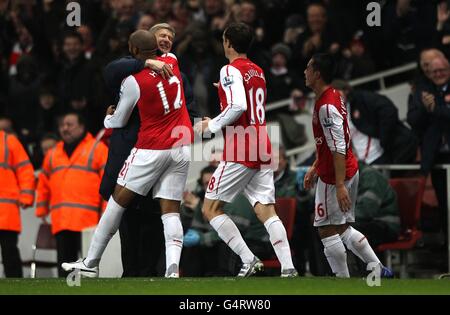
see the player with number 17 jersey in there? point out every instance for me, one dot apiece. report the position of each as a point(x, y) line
point(162, 109)
point(161, 154)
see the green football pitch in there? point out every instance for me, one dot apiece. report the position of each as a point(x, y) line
point(225, 286)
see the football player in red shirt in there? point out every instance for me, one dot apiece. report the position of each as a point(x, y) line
point(336, 172)
point(160, 158)
point(246, 157)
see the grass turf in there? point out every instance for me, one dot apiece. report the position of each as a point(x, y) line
point(222, 286)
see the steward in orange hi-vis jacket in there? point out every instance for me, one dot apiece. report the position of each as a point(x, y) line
point(68, 186)
point(17, 185)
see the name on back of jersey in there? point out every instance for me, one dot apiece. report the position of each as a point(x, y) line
point(253, 73)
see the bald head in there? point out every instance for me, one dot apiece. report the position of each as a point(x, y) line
point(142, 44)
point(426, 56)
point(439, 70)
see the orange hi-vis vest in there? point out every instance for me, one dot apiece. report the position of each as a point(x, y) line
point(68, 188)
point(17, 181)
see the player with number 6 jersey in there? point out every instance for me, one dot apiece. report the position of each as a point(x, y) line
point(245, 166)
point(336, 172)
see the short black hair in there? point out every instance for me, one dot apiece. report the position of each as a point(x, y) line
point(326, 65)
point(80, 117)
point(240, 36)
point(73, 34)
point(49, 135)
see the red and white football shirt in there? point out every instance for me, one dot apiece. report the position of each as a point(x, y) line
point(162, 108)
point(331, 134)
point(242, 93)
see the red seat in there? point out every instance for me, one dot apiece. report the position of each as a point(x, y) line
point(286, 209)
point(409, 198)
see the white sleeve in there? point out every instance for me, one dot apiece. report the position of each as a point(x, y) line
point(333, 128)
point(233, 84)
point(129, 95)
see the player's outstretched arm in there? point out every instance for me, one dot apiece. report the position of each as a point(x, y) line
point(232, 83)
point(129, 95)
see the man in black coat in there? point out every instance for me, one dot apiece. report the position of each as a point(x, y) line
point(141, 231)
point(375, 116)
point(429, 116)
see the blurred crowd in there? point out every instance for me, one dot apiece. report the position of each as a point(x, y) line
point(48, 67)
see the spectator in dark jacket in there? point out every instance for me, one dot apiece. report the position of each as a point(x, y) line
point(75, 70)
point(378, 136)
point(281, 79)
point(429, 116)
point(376, 212)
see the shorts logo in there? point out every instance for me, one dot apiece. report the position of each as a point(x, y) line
point(318, 140)
point(328, 122)
point(227, 81)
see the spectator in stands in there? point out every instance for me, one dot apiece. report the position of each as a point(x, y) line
point(426, 56)
point(199, 60)
point(48, 111)
point(377, 214)
point(403, 31)
point(204, 253)
point(442, 34)
point(249, 14)
point(6, 124)
point(120, 24)
point(294, 27)
point(284, 179)
point(146, 21)
point(355, 61)
point(282, 80)
point(74, 71)
point(378, 136)
point(162, 10)
point(429, 116)
point(17, 184)
point(69, 186)
point(88, 40)
point(317, 38)
point(46, 142)
point(23, 98)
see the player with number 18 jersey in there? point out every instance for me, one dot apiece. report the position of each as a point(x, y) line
point(247, 148)
point(252, 147)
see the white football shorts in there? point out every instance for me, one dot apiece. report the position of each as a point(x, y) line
point(164, 170)
point(327, 210)
point(231, 179)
